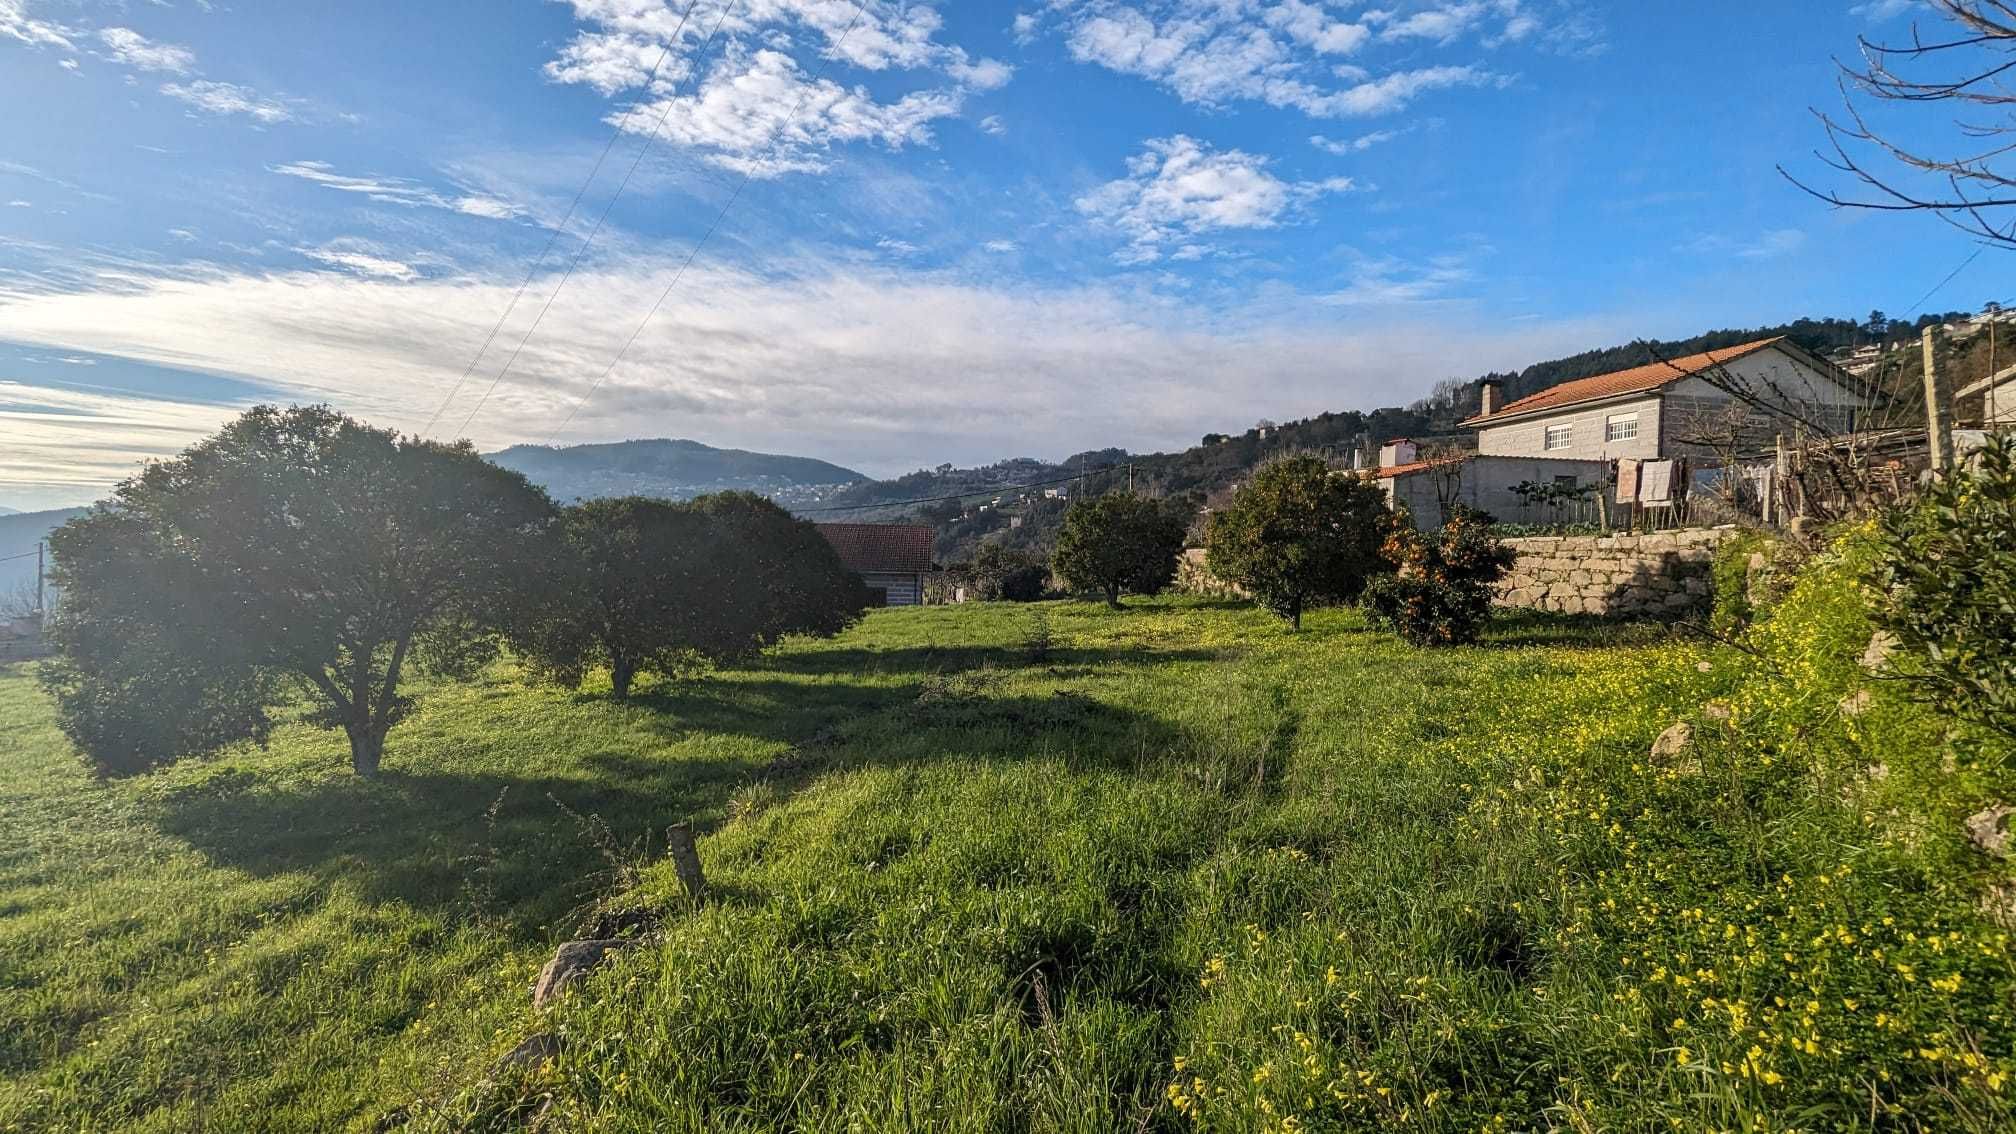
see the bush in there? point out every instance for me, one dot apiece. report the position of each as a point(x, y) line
point(1946, 583)
point(1001, 574)
point(1440, 594)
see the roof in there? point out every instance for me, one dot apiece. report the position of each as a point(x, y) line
point(1638, 379)
point(1391, 471)
point(881, 547)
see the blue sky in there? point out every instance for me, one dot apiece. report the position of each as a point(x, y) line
point(917, 234)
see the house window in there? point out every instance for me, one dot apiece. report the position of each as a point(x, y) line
point(1560, 436)
point(1620, 427)
point(1566, 483)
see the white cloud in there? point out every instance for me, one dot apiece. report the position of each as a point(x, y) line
point(68, 64)
point(897, 247)
point(1876, 11)
point(776, 361)
point(1359, 144)
point(1766, 245)
point(1179, 188)
point(18, 203)
point(992, 124)
point(17, 24)
point(737, 111)
point(1025, 27)
point(230, 98)
point(398, 190)
point(136, 50)
point(74, 443)
point(999, 246)
point(1281, 54)
point(1384, 281)
point(760, 115)
point(351, 256)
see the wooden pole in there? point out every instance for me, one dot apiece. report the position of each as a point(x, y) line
point(686, 860)
point(1938, 408)
point(40, 607)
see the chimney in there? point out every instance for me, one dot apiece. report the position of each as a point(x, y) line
point(1492, 392)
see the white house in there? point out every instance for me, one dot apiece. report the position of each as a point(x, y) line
point(1674, 408)
point(1427, 489)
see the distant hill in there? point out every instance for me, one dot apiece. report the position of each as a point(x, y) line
point(19, 533)
point(674, 469)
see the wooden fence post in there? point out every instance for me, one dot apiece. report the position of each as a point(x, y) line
point(686, 860)
point(1938, 408)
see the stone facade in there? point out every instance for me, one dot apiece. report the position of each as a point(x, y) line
point(1624, 576)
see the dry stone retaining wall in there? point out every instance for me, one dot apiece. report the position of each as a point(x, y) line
point(1665, 573)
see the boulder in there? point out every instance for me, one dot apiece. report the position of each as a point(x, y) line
point(528, 1055)
point(1989, 829)
point(1855, 704)
point(570, 963)
point(1673, 743)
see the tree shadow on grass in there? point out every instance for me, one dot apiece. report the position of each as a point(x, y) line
point(1573, 631)
point(531, 850)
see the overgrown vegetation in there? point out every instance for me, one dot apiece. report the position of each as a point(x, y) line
point(1055, 867)
point(1947, 586)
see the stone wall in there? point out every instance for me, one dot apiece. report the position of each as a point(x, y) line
point(1665, 573)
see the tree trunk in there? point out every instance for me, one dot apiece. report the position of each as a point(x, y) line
point(1295, 616)
point(367, 748)
point(620, 675)
point(1113, 595)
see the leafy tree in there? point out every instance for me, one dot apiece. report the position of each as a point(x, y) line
point(998, 572)
point(1946, 588)
point(1299, 535)
point(297, 549)
point(657, 587)
point(1441, 591)
point(1118, 542)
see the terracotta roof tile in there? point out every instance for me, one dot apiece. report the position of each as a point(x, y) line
point(1635, 380)
point(881, 547)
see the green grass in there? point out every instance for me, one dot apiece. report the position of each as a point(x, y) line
point(1043, 868)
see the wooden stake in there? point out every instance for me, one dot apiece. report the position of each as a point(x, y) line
point(686, 860)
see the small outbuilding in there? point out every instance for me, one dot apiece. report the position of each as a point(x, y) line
point(892, 559)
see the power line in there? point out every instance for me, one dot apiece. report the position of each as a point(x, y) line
point(748, 172)
point(649, 140)
point(554, 237)
point(1913, 310)
point(23, 555)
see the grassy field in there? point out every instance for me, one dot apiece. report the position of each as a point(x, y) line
point(1045, 868)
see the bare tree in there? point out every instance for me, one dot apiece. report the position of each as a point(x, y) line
point(18, 601)
point(1967, 179)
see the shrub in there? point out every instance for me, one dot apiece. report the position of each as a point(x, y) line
point(1946, 583)
point(1002, 574)
point(1440, 594)
point(1118, 543)
point(1299, 535)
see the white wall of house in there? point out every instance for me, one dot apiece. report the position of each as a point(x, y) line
point(1486, 484)
point(1585, 430)
point(1998, 403)
point(903, 588)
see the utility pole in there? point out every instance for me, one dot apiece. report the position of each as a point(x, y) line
point(40, 609)
point(1130, 478)
point(1938, 407)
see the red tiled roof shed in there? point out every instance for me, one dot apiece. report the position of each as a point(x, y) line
point(881, 547)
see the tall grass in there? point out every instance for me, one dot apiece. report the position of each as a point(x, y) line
point(1048, 869)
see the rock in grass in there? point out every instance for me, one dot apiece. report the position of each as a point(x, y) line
point(1673, 743)
point(1718, 712)
point(1855, 704)
point(528, 1056)
point(570, 963)
point(1881, 644)
point(1989, 829)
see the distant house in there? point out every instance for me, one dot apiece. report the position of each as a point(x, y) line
point(1672, 408)
point(891, 558)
